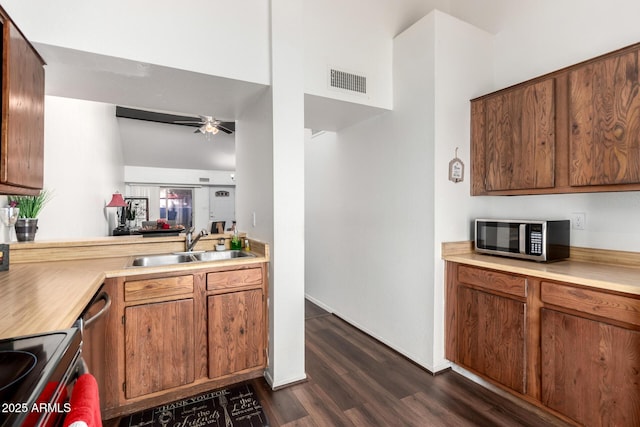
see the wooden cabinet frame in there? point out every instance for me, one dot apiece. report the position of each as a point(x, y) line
point(567, 159)
point(607, 318)
point(22, 117)
point(511, 287)
point(190, 290)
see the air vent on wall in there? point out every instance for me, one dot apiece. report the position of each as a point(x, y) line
point(347, 81)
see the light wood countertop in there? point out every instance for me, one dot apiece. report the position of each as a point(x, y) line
point(46, 296)
point(41, 296)
point(622, 277)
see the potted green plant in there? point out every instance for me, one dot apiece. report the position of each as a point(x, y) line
point(29, 209)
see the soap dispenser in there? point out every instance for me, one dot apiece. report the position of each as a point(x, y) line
point(236, 243)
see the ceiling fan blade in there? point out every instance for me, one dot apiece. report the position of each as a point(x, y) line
point(227, 127)
point(186, 122)
point(225, 130)
point(152, 116)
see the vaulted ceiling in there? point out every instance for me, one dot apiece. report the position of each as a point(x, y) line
point(82, 75)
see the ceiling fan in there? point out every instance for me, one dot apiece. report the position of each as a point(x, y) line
point(206, 125)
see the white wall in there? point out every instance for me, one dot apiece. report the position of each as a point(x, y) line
point(254, 190)
point(254, 169)
point(287, 92)
point(82, 166)
point(463, 68)
point(348, 36)
point(225, 38)
point(376, 193)
point(539, 36)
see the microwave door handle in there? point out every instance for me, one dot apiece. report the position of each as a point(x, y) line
point(522, 239)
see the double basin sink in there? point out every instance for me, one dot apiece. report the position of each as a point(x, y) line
point(183, 257)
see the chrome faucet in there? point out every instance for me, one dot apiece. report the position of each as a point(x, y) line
point(190, 242)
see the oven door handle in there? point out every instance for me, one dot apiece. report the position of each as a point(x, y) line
point(103, 296)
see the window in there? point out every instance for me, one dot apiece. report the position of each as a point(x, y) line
point(176, 205)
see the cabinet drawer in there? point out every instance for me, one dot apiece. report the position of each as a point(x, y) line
point(234, 279)
point(493, 280)
point(616, 307)
point(137, 290)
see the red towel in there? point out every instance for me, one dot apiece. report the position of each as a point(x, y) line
point(44, 398)
point(85, 403)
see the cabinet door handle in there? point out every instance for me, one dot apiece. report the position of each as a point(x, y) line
point(103, 296)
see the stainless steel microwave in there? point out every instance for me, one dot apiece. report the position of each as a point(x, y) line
point(527, 239)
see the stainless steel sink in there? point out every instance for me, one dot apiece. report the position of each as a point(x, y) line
point(217, 256)
point(183, 257)
point(167, 259)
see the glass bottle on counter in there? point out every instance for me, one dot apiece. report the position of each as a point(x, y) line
point(236, 243)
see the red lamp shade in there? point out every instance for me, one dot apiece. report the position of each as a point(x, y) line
point(117, 201)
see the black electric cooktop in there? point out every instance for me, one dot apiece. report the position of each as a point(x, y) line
point(31, 365)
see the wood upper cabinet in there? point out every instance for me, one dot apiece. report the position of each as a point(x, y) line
point(517, 129)
point(573, 130)
point(604, 105)
point(22, 131)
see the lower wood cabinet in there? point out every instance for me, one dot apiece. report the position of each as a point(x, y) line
point(487, 335)
point(177, 334)
point(159, 347)
point(569, 349)
point(491, 336)
point(590, 370)
point(236, 331)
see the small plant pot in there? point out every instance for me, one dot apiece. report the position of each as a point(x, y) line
point(26, 229)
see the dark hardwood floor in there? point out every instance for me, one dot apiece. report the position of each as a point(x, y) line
point(353, 380)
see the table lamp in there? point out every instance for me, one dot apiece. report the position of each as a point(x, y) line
point(117, 201)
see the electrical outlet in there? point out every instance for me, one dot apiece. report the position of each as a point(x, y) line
point(578, 221)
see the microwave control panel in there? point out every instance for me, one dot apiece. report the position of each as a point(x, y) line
point(535, 239)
